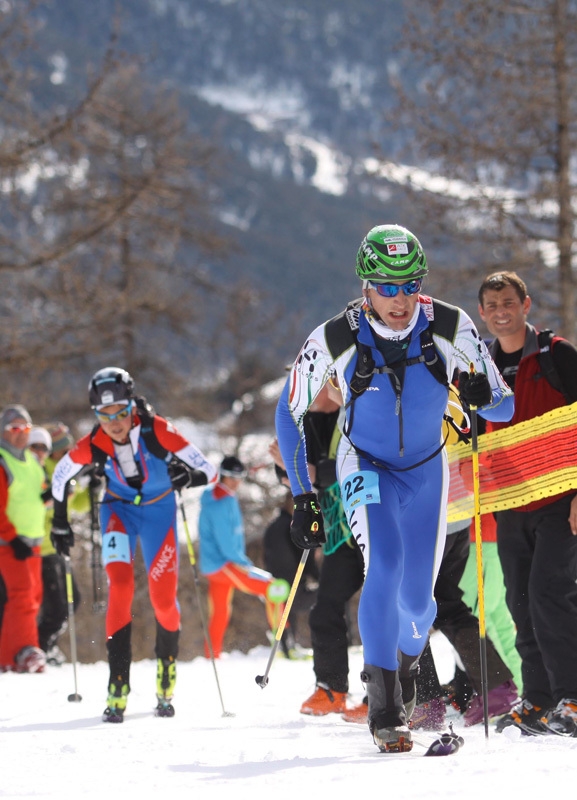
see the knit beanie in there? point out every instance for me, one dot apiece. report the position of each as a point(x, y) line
point(62, 438)
point(232, 467)
point(11, 413)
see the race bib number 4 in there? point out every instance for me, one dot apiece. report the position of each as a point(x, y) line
point(360, 489)
point(115, 547)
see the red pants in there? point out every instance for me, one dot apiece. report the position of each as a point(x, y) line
point(23, 580)
point(156, 529)
point(221, 587)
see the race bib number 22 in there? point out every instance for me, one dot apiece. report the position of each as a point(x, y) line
point(360, 489)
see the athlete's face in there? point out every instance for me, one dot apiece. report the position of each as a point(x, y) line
point(117, 428)
point(503, 312)
point(395, 312)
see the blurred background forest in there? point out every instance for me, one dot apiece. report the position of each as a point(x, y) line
point(184, 185)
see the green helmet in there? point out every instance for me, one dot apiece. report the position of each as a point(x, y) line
point(390, 252)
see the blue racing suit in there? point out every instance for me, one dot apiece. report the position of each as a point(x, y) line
point(391, 466)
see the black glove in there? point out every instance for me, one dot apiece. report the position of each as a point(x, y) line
point(22, 551)
point(46, 495)
point(183, 477)
point(475, 389)
point(307, 526)
point(62, 537)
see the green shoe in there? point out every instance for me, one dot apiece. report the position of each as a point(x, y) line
point(116, 703)
point(165, 678)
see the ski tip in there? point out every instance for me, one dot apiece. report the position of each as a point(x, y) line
point(74, 698)
point(262, 681)
point(446, 745)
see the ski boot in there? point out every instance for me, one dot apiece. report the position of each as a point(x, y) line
point(408, 671)
point(387, 717)
point(116, 703)
point(165, 683)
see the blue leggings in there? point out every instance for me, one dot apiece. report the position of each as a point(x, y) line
point(399, 522)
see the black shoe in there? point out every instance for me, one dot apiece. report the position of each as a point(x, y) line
point(525, 716)
point(459, 690)
point(562, 720)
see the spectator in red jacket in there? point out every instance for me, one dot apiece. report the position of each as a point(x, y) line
point(22, 516)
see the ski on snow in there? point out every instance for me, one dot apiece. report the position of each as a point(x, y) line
point(446, 745)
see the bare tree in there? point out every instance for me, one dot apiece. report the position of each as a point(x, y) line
point(105, 216)
point(486, 101)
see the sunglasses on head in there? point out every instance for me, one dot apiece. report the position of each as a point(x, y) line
point(393, 289)
point(102, 416)
point(18, 427)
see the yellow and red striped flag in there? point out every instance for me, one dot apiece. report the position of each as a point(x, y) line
point(518, 465)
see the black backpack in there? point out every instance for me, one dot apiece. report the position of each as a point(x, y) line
point(546, 364)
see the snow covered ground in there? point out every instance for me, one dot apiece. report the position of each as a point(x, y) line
point(50, 747)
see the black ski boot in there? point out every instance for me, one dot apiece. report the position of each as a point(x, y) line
point(165, 683)
point(119, 658)
point(116, 702)
point(408, 671)
point(387, 717)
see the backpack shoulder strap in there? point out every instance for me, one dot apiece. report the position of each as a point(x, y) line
point(341, 330)
point(444, 324)
point(545, 340)
point(146, 413)
point(445, 320)
point(98, 455)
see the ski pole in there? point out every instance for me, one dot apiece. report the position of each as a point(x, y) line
point(262, 680)
point(75, 697)
point(98, 605)
point(479, 551)
point(192, 559)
